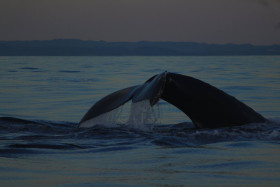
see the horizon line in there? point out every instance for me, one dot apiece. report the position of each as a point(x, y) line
point(139, 41)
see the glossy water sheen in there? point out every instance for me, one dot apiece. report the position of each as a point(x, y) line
point(43, 98)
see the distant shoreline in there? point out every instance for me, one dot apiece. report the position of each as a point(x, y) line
point(75, 47)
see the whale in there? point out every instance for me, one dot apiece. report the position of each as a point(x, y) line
point(205, 105)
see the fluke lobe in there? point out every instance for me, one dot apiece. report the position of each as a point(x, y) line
point(206, 105)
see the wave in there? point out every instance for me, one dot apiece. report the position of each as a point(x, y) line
point(18, 134)
point(69, 71)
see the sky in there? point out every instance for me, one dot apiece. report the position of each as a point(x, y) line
point(209, 21)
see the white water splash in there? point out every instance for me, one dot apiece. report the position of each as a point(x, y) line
point(142, 116)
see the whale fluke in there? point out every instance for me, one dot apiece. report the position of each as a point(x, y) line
point(206, 105)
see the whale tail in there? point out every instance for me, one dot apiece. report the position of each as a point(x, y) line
point(204, 104)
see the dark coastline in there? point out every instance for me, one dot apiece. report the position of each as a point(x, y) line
point(75, 47)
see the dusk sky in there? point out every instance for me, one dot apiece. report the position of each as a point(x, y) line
point(211, 21)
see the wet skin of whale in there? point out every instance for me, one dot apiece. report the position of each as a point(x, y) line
point(206, 105)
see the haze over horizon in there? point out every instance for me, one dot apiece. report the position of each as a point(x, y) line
point(255, 22)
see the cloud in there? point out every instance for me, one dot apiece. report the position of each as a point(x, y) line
point(264, 3)
point(277, 26)
point(267, 3)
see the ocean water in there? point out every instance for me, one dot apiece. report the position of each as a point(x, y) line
point(43, 98)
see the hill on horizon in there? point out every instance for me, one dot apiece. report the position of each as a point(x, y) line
point(76, 47)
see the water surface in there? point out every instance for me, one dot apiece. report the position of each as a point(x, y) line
point(43, 98)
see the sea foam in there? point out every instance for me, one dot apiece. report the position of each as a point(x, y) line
point(142, 116)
